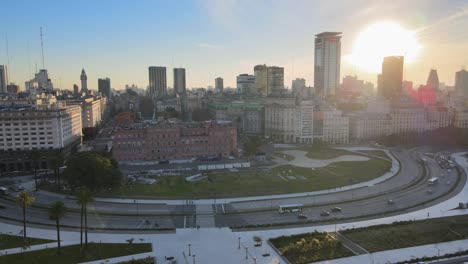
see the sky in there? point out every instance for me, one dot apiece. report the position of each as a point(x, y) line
point(120, 39)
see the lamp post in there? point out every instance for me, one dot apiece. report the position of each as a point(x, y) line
point(193, 258)
point(239, 242)
point(246, 252)
point(189, 249)
point(255, 260)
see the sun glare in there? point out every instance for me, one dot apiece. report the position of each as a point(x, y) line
point(380, 40)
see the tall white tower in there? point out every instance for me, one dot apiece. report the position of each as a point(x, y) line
point(327, 63)
point(84, 81)
point(3, 78)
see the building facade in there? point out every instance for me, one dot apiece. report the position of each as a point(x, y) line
point(170, 141)
point(3, 78)
point(179, 81)
point(84, 81)
point(392, 77)
point(246, 84)
point(261, 79)
point(327, 63)
point(461, 81)
point(219, 84)
point(275, 80)
point(104, 87)
point(157, 82)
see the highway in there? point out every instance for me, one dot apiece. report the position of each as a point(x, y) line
point(408, 190)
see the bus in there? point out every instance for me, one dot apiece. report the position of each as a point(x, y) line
point(290, 208)
point(433, 180)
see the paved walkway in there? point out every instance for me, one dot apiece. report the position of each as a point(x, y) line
point(301, 160)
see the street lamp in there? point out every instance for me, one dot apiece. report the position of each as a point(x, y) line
point(189, 249)
point(255, 260)
point(193, 257)
point(246, 252)
point(239, 242)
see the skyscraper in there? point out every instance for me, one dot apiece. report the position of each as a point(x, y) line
point(275, 80)
point(461, 81)
point(179, 81)
point(392, 77)
point(219, 84)
point(84, 81)
point(327, 63)
point(104, 87)
point(433, 80)
point(261, 79)
point(3, 78)
point(75, 89)
point(245, 83)
point(157, 82)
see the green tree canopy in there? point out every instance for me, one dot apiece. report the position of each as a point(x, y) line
point(93, 170)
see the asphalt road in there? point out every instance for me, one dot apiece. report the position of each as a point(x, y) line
point(407, 189)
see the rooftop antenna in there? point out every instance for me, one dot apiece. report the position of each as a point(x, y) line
point(8, 56)
point(42, 48)
point(29, 59)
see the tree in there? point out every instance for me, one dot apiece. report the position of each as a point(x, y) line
point(99, 172)
point(24, 199)
point(57, 211)
point(83, 199)
point(35, 157)
point(57, 161)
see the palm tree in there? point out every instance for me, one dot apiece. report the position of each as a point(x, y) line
point(56, 211)
point(24, 199)
point(84, 198)
point(35, 157)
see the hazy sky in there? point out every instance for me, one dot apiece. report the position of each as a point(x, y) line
point(119, 39)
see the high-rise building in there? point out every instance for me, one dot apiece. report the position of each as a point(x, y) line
point(157, 82)
point(219, 84)
point(76, 89)
point(275, 80)
point(461, 80)
point(433, 80)
point(298, 87)
point(3, 78)
point(245, 83)
point(327, 63)
point(84, 81)
point(261, 79)
point(179, 81)
point(41, 81)
point(392, 77)
point(104, 87)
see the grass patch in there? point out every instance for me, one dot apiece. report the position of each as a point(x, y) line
point(10, 241)
point(255, 183)
point(71, 254)
point(284, 156)
point(378, 153)
point(310, 247)
point(410, 234)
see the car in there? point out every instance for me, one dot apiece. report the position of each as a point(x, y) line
point(324, 213)
point(301, 216)
point(429, 191)
point(21, 188)
point(336, 209)
point(390, 201)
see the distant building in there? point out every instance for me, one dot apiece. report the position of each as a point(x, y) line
point(41, 81)
point(433, 80)
point(157, 82)
point(84, 81)
point(172, 140)
point(392, 77)
point(13, 88)
point(179, 81)
point(461, 81)
point(3, 78)
point(245, 83)
point(327, 63)
point(248, 115)
point(104, 87)
point(76, 89)
point(261, 79)
point(275, 80)
point(219, 84)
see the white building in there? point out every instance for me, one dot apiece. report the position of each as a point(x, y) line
point(327, 63)
point(369, 126)
point(461, 117)
point(304, 123)
point(335, 127)
point(27, 128)
point(246, 83)
point(41, 80)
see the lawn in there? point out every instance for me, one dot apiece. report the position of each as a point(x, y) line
point(279, 180)
point(10, 241)
point(410, 234)
point(310, 247)
point(378, 153)
point(71, 254)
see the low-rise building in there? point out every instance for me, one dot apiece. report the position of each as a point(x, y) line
point(169, 140)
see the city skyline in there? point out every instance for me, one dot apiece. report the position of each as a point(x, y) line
point(218, 39)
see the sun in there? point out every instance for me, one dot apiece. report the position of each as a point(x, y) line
point(383, 39)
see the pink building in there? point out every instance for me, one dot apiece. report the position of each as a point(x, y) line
point(169, 140)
